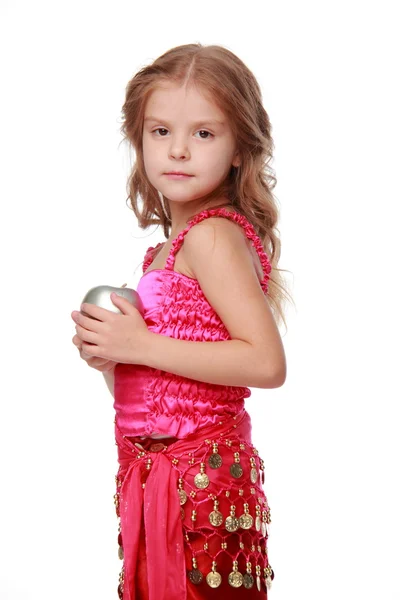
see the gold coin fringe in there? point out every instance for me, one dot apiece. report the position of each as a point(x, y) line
point(238, 514)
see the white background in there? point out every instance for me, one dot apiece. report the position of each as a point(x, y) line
point(330, 435)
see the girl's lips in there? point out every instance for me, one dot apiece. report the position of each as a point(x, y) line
point(177, 176)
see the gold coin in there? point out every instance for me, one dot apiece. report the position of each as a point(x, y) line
point(182, 496)
point(201, 480)
point(216, 518)
point(231, 524)
point(258, 522)
point(246, 521)
point(195, 576)
point(215, 461)
point(120, 553)
point(253, 475)
point(235, 579)
point(236, 470)
point(248, 581)
point(214, 579)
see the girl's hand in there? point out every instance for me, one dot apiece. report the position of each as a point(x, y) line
point(113, 337)
point(95, 362)
point(100, 364)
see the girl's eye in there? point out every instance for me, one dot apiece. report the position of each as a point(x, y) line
point(159, 129)
point(205, 131)
point(200, 131)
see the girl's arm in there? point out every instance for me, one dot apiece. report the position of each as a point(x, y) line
point(217, 253)
point(230, 362)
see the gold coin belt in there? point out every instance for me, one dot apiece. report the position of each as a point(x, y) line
point(225, 513)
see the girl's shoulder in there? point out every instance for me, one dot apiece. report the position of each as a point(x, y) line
point(229, 232)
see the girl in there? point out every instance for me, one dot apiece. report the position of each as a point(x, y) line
point(193, 515)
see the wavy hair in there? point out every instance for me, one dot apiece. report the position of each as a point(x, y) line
point(248, 187)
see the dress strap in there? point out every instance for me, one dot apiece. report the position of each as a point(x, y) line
point(149, 256)
point(237, 218)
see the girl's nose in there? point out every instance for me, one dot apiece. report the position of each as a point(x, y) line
point(179, 150)
point(177, 156)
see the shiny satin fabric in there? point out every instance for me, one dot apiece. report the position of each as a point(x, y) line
point(159, 537)
point(148, 400)
point(151, 401)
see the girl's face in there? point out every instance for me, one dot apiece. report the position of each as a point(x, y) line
point(183, 131)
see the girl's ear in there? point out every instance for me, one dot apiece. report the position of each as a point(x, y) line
point(236, 159)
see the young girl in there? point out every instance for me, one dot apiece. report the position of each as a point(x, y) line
point(193, 515)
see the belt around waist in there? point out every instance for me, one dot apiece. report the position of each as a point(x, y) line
point(155, 436)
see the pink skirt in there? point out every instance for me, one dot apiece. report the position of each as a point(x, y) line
point(193, 516)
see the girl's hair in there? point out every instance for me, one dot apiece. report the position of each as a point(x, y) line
point(227, 81)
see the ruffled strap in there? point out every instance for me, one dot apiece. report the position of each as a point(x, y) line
point(237, 218)
point(149, 256)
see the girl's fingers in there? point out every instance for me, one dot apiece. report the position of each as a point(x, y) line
point(93, 361)
point(77, 341)
point(87, 322)
point(96, 313)
point(86, 335)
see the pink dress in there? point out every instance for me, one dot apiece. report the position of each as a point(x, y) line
point(193, 515)
point(148, 401)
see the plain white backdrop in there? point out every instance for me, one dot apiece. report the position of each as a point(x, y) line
point(330, 435)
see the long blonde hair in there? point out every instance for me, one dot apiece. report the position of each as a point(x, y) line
point(235, 90)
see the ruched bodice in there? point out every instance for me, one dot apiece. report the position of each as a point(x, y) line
point(149, 401)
